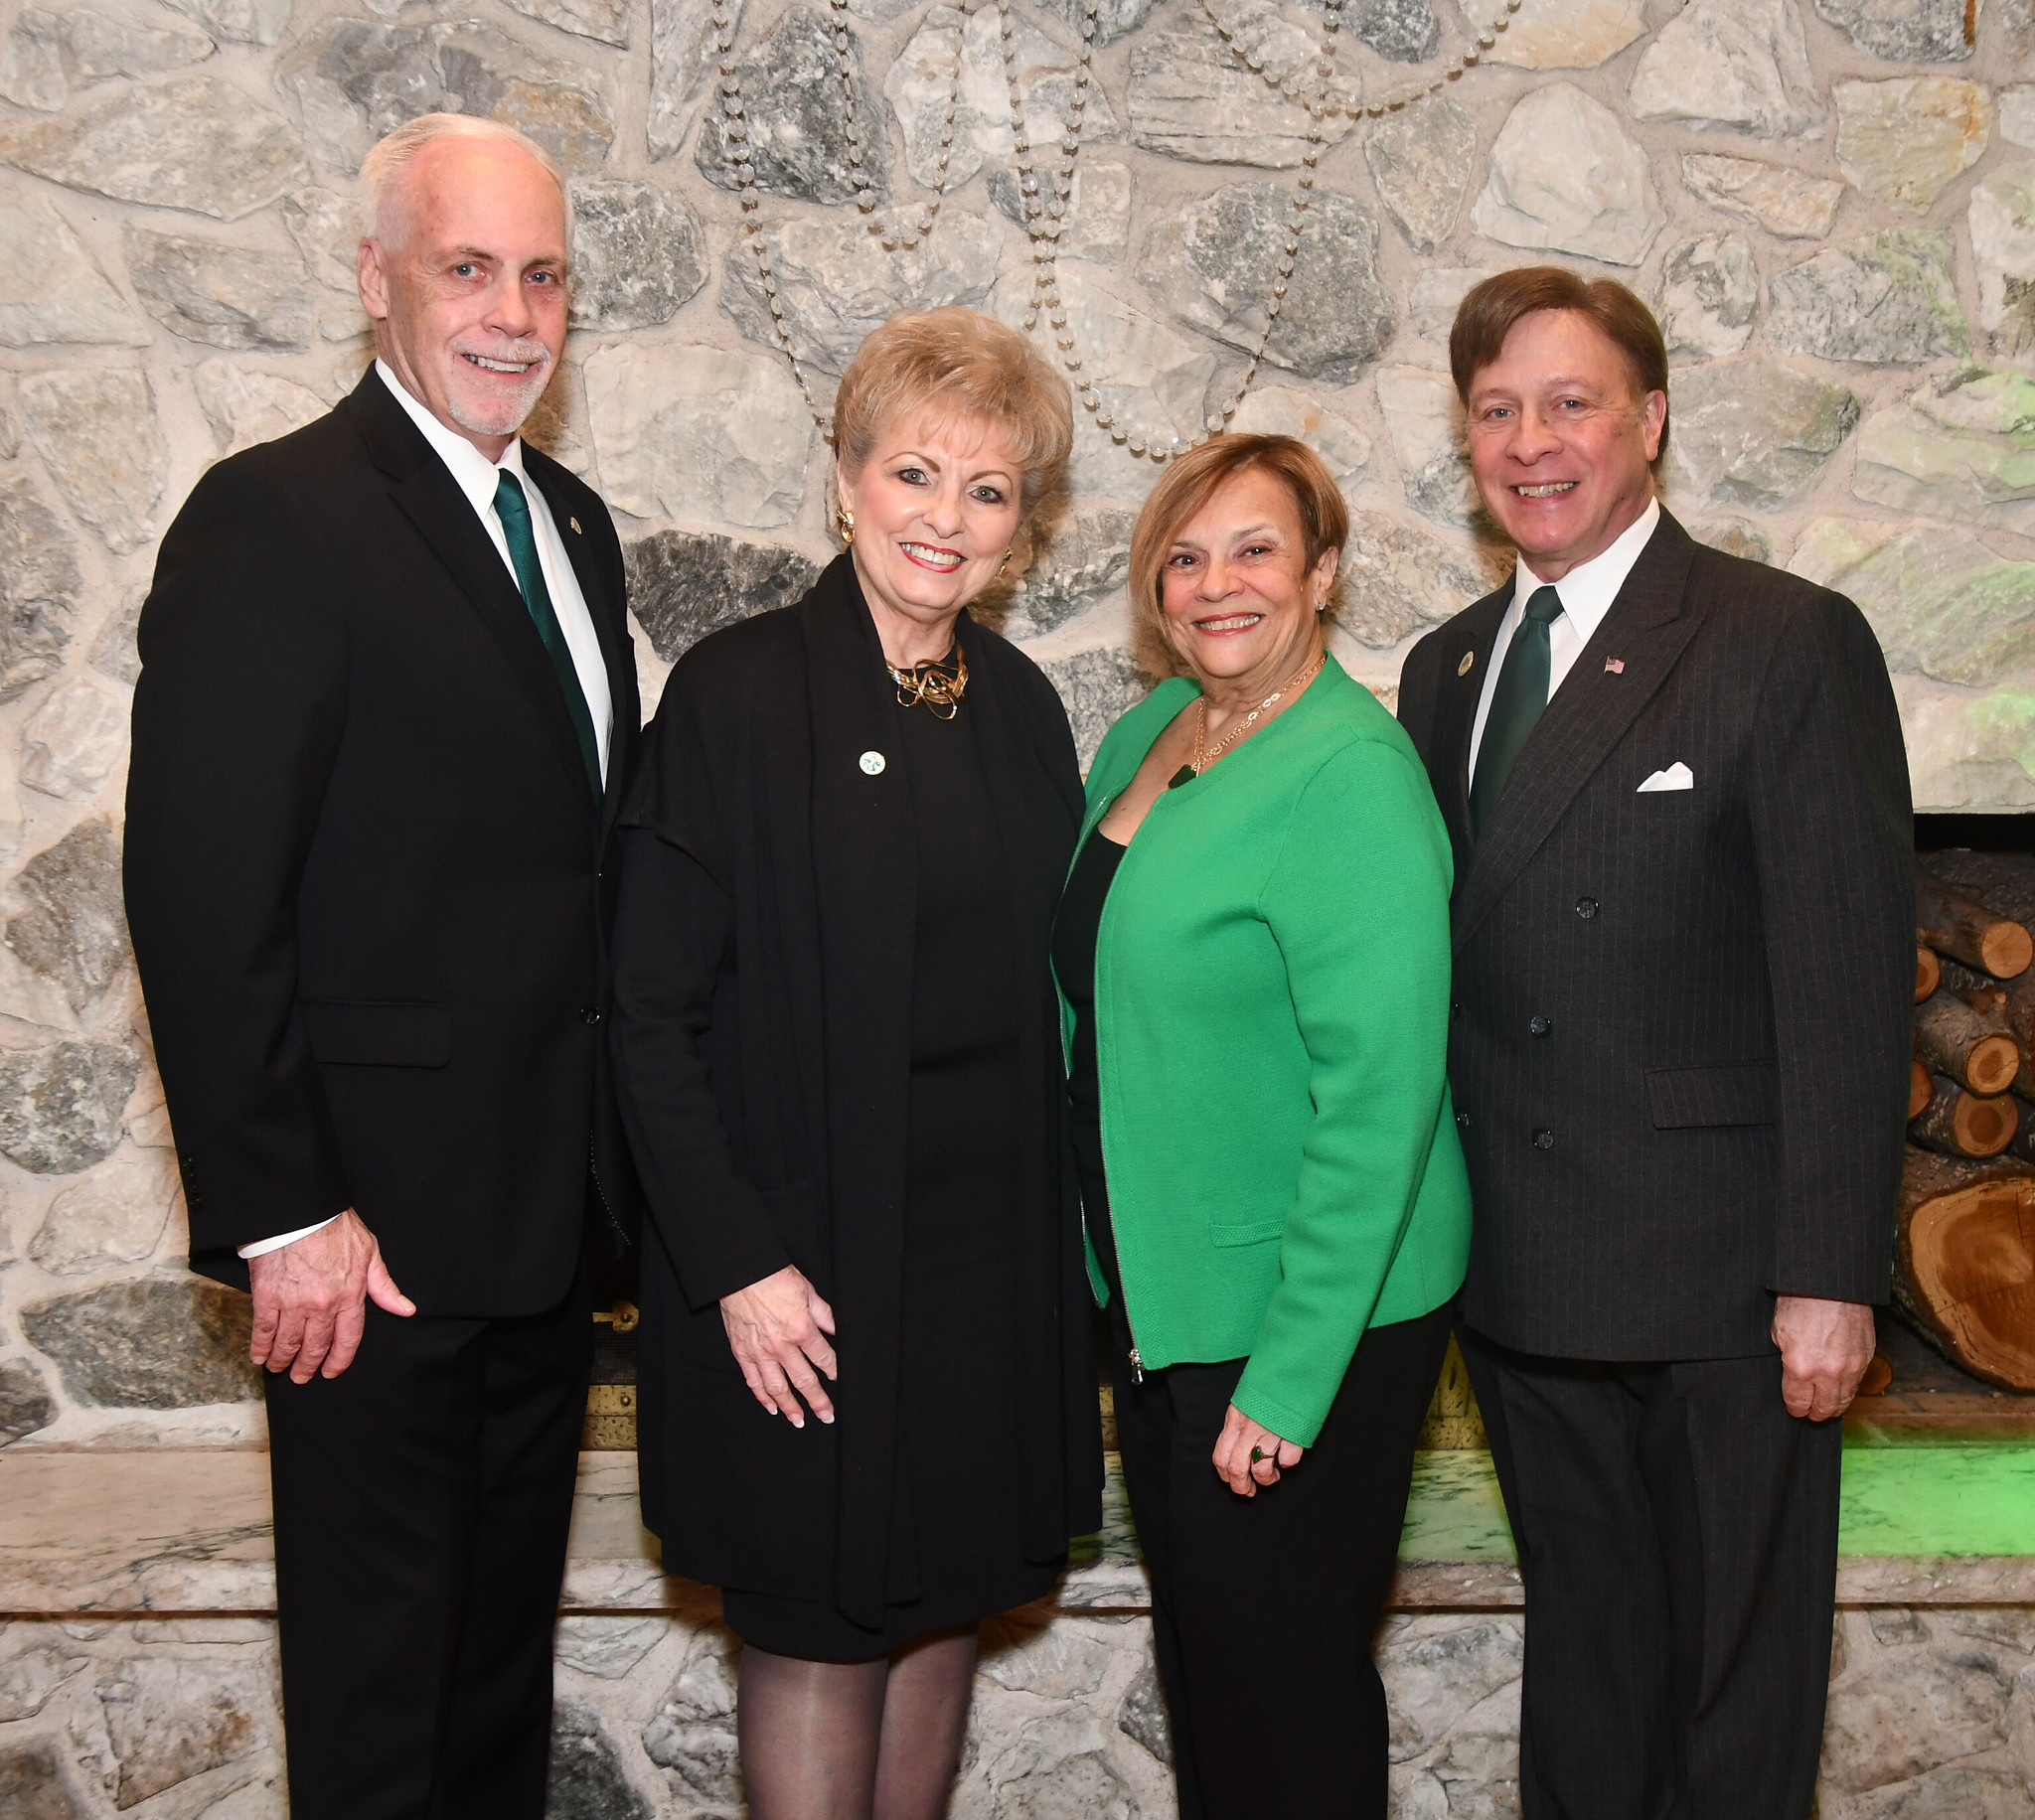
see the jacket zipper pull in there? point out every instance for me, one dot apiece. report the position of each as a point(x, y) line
point(1137, 1367)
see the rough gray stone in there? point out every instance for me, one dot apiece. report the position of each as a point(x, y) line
point(326, 231)
point(25, 1405)
point(1424, 419)
point(2016, 115)
point(1945, 1704)
point(66, 922)
point(170, 1719)
point(1789, 203)
point(609, 1647)
point(1568, 34)
point(1888, 298)
point(1114, 19)
point(244, 408)
point(34, 1785)
point(116, 1215)
point(223, 296)
point(151, 1343)
point(1905, 30)
point(198, 144)
point(2001, 216)
point(685, 584)
point(1097, 222)
point(1734, 538)
point(684, 57)
point(60, 1106)
point(1085, 556)
point(1566, 176)
point(71, 744)
point(356, 79)
point(1141, 1715)
point(1401, 30)
point(97, 433)
point(52, 290)
point(1191, 96)
point(40, 588)
point(692, 1737)
point(1280, 410)
point(1212, 266)
point(1895, 1629)
point(113, 652)
point(636, 254)
point(1753, 434)
point(1053, 1661)
point(606, 21)
point(700, 434)
point(1956, 1792)
point(1903, 141)
point(1709, 292)
point(588, 1780)
point(1432, 1677)
point(1097, 688)
point(47, 55)
point(794, 126)
point(1436, 295)
point(253, 22)
point(1055, 1768)
point(1422, 160)
point(836, 283)
point(1956, 448)
point(27, 1681)
point(1398, 579)
point(1740, 63)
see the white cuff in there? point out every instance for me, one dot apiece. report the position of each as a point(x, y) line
point(283, 1237)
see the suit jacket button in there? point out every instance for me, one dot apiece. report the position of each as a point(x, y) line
point(590, 1014)
point(1540, 1026)
point(1455, 1010)
point(1544, 1139)
point(1586, 907)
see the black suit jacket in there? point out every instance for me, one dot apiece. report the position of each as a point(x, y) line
point(1682, 1020)
point(763, 1026)
point(363, 865)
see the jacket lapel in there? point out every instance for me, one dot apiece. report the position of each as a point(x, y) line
point(1589, 714)
point(427, 495)
point(1471, 636)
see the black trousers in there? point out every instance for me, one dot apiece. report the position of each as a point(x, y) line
point(422, 1503)
point(1263, 1610)
point(1678, 1534)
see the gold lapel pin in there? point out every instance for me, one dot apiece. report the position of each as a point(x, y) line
point(1469, 657)
point(1614, 667)
point(574, 523)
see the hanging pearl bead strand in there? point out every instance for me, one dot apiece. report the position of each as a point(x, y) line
point(892, 239)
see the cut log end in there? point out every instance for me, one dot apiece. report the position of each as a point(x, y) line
point(1993, 1064)
point(1878, 1375)
point(1928, 972)
point(1964, 1124)
point(2005, 949)
point(1967, 1276)
point(1918, 1089)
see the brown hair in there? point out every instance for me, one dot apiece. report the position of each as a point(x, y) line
point(1191, 481)
point(959, 362)
point(1490, 312)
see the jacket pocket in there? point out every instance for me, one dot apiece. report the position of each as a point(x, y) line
point(350, 1032)
point(1259, 1232)
point(1725, 1092)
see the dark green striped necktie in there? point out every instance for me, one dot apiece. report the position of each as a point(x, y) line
point(513, 511)
point(1516, 703)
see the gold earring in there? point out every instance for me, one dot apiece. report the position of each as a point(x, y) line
point(844, 520)
point(1005, 563)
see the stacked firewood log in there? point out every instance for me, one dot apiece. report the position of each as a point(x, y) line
point(1965, 1254)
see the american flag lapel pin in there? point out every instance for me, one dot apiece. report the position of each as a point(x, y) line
point(1615, 666)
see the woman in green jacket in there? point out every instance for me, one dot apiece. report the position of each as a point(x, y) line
point(1253, 948)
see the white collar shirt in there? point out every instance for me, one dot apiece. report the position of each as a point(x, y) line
point(1586, 591)
point(478, 477)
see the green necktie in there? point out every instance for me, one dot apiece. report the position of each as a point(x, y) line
point(1518, 701)
point(513, 511)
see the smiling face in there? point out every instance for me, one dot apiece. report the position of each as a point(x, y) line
point(935, 508)
point(468, 289)
point(1238, 603)
point(1560, 440)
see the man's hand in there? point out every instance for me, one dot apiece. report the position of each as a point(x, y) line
point(311, 1296)
point(1825, 1347)
point(778, 1329)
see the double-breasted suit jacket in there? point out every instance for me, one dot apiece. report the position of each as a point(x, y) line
point(1679, 1035)
point(365, 869)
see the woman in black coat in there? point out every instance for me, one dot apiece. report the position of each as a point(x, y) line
point(868, 1396)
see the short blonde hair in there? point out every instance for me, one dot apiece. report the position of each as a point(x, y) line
point(390, 159)
point(1193, 479)
point(957, 362)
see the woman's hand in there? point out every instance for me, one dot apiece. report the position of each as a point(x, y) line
point(778, 1330)
point(1240, 1441)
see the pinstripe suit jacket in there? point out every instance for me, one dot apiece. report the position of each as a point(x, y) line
point(1680, 1021)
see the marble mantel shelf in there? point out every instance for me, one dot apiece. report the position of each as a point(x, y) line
point(186, 1531)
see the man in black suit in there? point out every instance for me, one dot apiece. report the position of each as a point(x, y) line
point(1685, 956)
point(386, 704)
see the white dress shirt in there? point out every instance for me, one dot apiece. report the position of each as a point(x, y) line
point(478, 477)
point(1586, 591)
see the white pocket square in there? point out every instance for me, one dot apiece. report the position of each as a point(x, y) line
point(1677, 776)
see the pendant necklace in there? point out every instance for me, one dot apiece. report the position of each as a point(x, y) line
point(1205, 754)
point(935, 686)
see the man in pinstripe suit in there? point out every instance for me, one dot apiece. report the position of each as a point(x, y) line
point(1683, 932)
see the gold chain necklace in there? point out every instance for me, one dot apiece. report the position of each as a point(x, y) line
point(933, 685)
point(1205, 754)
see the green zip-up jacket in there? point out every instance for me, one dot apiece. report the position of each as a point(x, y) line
point(1272, 1008)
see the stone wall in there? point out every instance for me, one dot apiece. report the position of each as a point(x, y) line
point(1832, 203)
